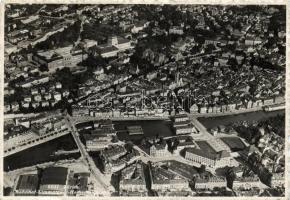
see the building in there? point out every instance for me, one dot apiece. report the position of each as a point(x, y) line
point(185, 129)
point(209, 183)
point(27, 185)
point(18, 35)
point(47, 96)
point(133, 179)
point(53, 181)
point(182, 125)
point(16, 136)
point(78, 184)
point(234, 143)
point(186, 171)
point(8, 91)
point(60, 58)
point(58, 85)
point(185, 142)
point(37, 97)
point(27, 98)
point(30, 19)
point(278, 180)
point(135, 130)
point(118, 159)
point(45, 103)
point(57, 96)
point(176, 30)
point(113, 47)
point(248, 151)
point(105, 50)
point(280, 106)
point(7, 108)
point(97, 142)
point(39, 128)
point(113, 152)
point(246, 183)
point(33, 81)
point(139, 26)
point(194, 108)
point(252, 41)
point(158, 150)
point(206, 155)
point(163, 180)
point(181, 118)
point(14, 106)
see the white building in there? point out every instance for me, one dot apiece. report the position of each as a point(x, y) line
point(245, 183)
point(210, 183)
point(57, 96)
point(206, 155)
point(176, 30)
point(115, 44)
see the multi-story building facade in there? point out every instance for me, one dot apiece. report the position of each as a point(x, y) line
point(210, 183)
point(158, 150)
point(164, 180)
point(245, 183)
point(136, 184)
point(59, 58)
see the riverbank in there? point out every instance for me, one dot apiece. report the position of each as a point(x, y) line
point(42, 153)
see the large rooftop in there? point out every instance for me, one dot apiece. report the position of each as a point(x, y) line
point(27, 182)
point(55, 53)
point(54, 176)
point(205, 150)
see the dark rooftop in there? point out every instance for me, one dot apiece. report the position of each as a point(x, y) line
point(54, 176)
point(234, 143)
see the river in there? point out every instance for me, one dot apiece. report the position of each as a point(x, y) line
point(42, 153)
point(211, 122)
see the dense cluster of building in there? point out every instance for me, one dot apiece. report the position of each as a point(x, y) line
point(52, 182)
point(116, 157)
point(27, 132)
point(183, 126)
point(133, 180)
point(98, 135)
point(147, 62)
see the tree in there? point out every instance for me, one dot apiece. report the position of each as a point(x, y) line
point(114, 139)
point(175, 144)
point(43, 68)
point(202, 169)
point(230, 176)
point(210, 48)
point(129, 146)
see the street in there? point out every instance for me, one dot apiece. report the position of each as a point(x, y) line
point(88, 160)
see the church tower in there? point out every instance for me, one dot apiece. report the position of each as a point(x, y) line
point(137, 70)
point(177, 77)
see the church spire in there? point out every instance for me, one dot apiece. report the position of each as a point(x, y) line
point(137, 70)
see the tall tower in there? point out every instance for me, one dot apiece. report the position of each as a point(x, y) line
point(137, 70)
point(177, 77)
